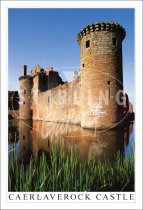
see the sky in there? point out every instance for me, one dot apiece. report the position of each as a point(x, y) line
point(48, 37)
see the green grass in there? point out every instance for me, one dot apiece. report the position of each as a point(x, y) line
point(64, 172)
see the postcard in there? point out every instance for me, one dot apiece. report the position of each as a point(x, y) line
point(71, 125)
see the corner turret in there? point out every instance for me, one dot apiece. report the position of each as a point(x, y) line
point(25, 111)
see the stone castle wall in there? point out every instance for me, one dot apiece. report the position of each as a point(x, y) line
point(91, 99)
point(101, 75)
point(59, 104)
point(25, 111)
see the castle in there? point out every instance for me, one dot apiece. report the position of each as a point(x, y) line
point(93, 98)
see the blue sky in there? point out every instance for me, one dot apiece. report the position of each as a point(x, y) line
point(48, 37)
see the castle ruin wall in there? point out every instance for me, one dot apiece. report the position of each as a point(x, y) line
point(59, 104)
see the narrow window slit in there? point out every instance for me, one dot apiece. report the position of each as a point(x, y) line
point(48, 99)
point(114, 42)
point(87, 43)
point(109, 91)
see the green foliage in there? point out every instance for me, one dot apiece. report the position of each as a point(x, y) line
point(13, 99)
point(64, 172)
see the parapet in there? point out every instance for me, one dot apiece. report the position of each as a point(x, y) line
point(48, 69)
point(102, 26)
point(37, 69)
point(24, 77)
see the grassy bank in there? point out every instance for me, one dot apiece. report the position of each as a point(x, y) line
point(68, 173)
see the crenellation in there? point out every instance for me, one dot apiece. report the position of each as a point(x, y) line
point(90, 100)
point(103, 26)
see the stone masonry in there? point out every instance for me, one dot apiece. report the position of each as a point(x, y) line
point(93, 98)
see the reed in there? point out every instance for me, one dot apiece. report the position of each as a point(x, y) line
point(62, 172)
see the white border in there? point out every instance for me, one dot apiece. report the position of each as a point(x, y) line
point(4, 87)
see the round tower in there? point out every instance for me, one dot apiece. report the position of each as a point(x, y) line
point(25, 111)
point(101, 75)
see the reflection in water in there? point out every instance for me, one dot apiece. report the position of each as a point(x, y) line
point(37, 136)
point(13, 132)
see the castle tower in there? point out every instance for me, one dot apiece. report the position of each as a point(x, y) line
point(25, 111)
point(101, 74)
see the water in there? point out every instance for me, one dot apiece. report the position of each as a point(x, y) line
point(34, 137)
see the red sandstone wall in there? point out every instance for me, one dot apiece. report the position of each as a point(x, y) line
point(35, 101)
point(25, 111)
point(60, 104)
point(100, 63)
point(81, 101)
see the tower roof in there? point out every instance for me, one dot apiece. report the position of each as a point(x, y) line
point(102, 26)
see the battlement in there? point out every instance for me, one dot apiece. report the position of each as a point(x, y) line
point(102, 26)
point(24, 77)
point(45, 96)
point(36, 70)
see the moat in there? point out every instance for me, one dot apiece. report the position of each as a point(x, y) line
point(34, 137)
